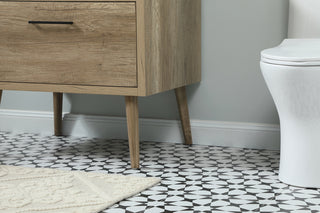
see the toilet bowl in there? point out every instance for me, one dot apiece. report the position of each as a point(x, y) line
point(292, 73)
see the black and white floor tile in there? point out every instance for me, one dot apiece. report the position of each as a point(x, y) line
point(194, 178)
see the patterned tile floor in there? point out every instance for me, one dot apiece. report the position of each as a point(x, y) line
point(194, 179)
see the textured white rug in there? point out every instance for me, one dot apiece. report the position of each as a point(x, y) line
point(32, 190)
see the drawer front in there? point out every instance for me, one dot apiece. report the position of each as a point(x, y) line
point(99, 48)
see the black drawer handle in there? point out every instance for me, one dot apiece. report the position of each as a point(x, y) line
point(50, 22)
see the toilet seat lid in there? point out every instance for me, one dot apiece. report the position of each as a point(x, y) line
point(295, 52)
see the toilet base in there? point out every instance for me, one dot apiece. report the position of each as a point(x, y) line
point(301, 185)
point(295, 91)
point(300, 154)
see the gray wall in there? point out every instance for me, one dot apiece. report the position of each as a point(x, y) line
point(233, 89)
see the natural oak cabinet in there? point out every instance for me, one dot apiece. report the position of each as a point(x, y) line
point(97, 49)
point(128, 48)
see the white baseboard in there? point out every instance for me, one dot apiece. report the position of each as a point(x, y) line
point(231, 134)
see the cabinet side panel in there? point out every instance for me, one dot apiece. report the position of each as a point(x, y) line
point(141, 53)
point(173, 44)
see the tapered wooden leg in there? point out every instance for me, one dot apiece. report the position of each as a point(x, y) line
point(57, 111)
point(133, 129)
point(0, 96)
point(184, 114)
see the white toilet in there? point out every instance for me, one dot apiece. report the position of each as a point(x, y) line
point(292, 74)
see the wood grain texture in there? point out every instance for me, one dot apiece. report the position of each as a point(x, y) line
point(172, 35)
point(72, 0)
point(184, 114)
point(70, 88)
point(141, 50)
point(133, 129)
point(98, 49)
point(149, 46)
point(57, 113)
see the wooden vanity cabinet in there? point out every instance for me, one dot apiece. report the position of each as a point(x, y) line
point(129, 48)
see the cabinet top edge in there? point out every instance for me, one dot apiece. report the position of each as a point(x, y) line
point(71, 1)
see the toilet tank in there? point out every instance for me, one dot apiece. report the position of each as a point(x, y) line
point(304, 19)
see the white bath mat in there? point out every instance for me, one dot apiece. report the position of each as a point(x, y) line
point(30, 190)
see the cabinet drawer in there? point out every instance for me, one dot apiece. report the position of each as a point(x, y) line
point(99, 48)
